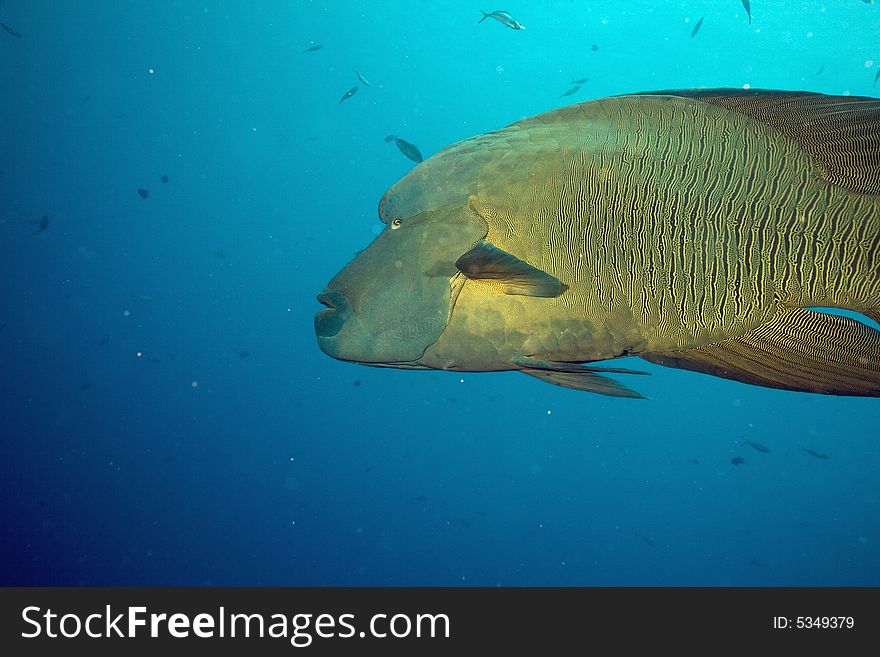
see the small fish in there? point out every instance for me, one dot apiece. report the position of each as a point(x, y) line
point(360, 77)
point(105, 339)
point(86, 98)
point(244, 354)
point(594, 48)
point(504, 18)
point(747, 7)
point(877, 76)
point(409, 150)
point(164, 179)
point(581, 81)
point(44, 224)
point(758, 446)
point(818, 455)
point(2, 326)
point(571, 91)
point(737, 460)
point(220, 254)
point(819, 72)
point(10, 31)
point(357, 383)
point(697, 28)
point(313, 48)
point(348, 94)
point(648, 541)
point(143, 193)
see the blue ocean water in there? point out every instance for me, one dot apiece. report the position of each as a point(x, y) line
point(166, 415)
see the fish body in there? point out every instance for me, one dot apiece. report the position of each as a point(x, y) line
point(504, 18)
point(820, 70)
point(758, 447)
point(748, 8)
point(581, 81)
point(348, 94)
point(695, 229)
point(737, 460)
point(11, 31)
point(360, 77)
point(818, 455)
point(409, 150)
point(571, 91)
point(314, 48)
point(877, 76)
point(143, 193)
point(43, 225)
point(697, 27)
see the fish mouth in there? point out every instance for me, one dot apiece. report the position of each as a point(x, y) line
point(329, 322)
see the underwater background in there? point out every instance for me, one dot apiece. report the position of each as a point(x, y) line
point(166, 415)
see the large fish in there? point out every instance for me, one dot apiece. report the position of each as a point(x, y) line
point(696, 229)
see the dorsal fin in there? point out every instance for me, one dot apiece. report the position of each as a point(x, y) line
point(841, 133)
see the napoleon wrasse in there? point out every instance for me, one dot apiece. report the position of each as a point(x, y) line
point(696, 229)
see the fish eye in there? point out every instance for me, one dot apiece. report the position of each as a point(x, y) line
point(395, 224)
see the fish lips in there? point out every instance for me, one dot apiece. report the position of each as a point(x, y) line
point(329, 322)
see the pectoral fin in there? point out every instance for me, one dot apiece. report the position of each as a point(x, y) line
point(487, 261)
point(799, 349)
point(578, 377)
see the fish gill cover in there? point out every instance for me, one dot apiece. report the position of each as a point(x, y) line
point(179, 179)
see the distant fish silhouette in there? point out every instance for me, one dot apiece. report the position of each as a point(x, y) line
point(348, 94)
point(11, 31)
point(409, 151)
point(164, 179)
point(220, 254)
point(818, 455)
point(748, 9)
point(571, 91)
point(314, 48)
point(360, 77)
point(819, 72)
point(2, 326)
point(737, 460)
point(43, 225)
point(504, 18)
point(143, 193)
point(581, 81)
point(697, 27)
point(105, 339)
point(758, 446)
point(877, 76)
point(594, 48)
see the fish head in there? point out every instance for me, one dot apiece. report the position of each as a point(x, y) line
point(394, 300)
point(432, 291)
